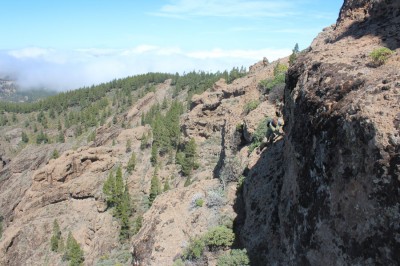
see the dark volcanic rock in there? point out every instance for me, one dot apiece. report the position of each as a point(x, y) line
point(329, 193)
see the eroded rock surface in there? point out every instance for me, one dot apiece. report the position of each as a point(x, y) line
point(329, 193)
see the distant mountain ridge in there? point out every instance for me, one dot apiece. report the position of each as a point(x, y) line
point(9, 91)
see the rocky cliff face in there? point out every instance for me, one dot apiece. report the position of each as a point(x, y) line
point(329, 193)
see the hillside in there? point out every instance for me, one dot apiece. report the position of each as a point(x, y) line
point(168, 169)
point(9, 91)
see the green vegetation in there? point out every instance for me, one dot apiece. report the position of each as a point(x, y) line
point(379, 56)
point(195, 249)
point(267, 85)
point(188, 158)
point(144, 141)
point(216, 238)
point(166, 128)
point(42, 138)
point(86, 96)
point(293, 56)
point(91, 137)
point(250, 106)
point(178, 262)
point(199, 202)
point(166, 185)
point(198, 82)
point(131, 163)
point(154, 155)
point(1, 226)
point(118, 198)
point(128, 146)
point(73, 252)
point(24, 137)
point(137, 224)
point(155, 188)
point(236, 257)
point(55, 154)
point(56, 237)
point(259, 134)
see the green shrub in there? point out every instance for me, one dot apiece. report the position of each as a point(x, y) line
point(137, 224)
point(55, 154)
point(73, 252)
point(250, 106)
point(240, 182)
point(195, 249)
point(219, 236)
point(280, 69)
point(379, 56)
point(199, 202)
point(267, 85)
point(25, 138)
point(56, 237)
point(236, 257)
point(178, 262)
point(259, 134)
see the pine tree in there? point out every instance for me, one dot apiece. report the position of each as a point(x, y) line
point(24, 137)
point(144, 141)
point(60, 137)
point(73, 251)
point(128, 147)
point(154, 155)
point(154, 188)
point(142, 120)
point(131, 163)
point(55, 238)
point(166, 185)
point(118, 193)
point(109, 190)
point(126, 211)
point(164, 104)
point(293, 56)
point(189, 162)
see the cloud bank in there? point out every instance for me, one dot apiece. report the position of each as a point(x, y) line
point(66, 70)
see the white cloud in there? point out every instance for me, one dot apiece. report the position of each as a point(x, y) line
point(226, 8)
point(29, 52)
point(62, 70)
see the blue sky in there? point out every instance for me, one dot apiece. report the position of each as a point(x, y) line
point(67, 44)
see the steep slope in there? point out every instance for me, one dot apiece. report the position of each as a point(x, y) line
point(215, 116)
point(36, 189)
point(329, 192)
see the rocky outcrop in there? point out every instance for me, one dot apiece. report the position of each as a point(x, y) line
point(66, 189)
point(173, 220)
point(328, 193)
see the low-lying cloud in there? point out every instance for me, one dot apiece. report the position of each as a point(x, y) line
point(35, 67)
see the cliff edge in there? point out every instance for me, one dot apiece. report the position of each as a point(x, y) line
point(329, 192)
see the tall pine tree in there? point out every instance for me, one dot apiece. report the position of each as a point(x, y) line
point(73, 252)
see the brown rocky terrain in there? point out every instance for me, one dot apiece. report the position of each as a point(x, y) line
point(36, 189)
point(327, 192)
